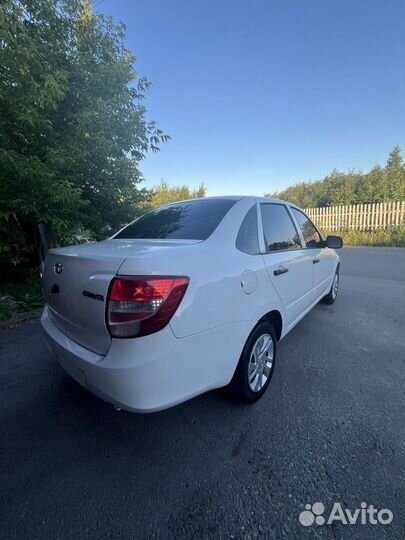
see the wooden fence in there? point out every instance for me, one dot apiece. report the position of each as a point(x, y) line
point(362, 217)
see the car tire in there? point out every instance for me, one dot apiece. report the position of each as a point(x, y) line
point(256, 364)
point(330, 298)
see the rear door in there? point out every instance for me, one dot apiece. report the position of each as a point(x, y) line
point(289, 266)
point(322, 261)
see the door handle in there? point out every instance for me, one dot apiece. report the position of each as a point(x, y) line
point(314, 261)
point(279, 271)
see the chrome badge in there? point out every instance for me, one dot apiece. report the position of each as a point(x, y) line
point(58, 268)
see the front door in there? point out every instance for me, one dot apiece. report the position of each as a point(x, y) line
point(322, 259)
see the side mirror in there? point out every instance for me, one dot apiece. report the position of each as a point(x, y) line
point(334, 242)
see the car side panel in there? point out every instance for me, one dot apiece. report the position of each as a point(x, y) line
point(233, 287)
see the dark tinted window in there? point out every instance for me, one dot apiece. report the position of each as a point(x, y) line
point(279, 230)
point(247, 239)
point(311, 235)
point(191, 220)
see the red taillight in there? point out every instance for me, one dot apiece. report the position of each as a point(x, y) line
point(141, 306)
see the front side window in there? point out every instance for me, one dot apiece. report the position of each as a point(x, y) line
point(247, 239)
point(190, 220)
point(311, 236)
point(278, 228)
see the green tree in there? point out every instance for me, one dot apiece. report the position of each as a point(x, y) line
point(164, 194)
point(72, 123)
point(395, 176)
point(372, 186)
point(354, 187)
point(345, 188)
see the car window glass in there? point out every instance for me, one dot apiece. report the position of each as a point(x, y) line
point(311, 235)
point(190, 220)
point(278, 228)
point(247, 239)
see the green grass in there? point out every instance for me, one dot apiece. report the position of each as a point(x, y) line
point(21, 296)
point(387, 237)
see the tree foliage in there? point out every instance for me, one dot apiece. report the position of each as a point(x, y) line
point(73, 126)
point(381, 184)
point(164, 194)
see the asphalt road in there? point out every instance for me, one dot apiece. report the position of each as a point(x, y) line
point(330, 429)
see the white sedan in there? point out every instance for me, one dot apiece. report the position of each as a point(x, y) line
point(189, 297)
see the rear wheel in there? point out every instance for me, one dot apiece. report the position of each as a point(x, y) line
point(256, 364)
point(332, 294)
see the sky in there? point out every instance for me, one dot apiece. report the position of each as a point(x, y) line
point(260, 94)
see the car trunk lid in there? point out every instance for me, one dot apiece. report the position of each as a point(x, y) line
point(76, 282)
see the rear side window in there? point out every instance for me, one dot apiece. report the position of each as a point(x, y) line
point(247, 239)
point(190, 220)
point(278, 228)
point(309, 232)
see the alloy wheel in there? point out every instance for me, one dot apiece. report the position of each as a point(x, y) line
point(261, 362)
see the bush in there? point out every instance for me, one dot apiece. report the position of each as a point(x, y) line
point(21, 293)
point(384, 237)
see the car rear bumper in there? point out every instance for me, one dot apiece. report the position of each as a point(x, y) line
point(153, 372)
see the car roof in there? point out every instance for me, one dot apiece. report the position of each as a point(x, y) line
point(237, 198)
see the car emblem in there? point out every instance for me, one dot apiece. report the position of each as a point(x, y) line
point(58, 268)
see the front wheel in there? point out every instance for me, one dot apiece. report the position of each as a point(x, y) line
point(256, 364)
point(332, 294)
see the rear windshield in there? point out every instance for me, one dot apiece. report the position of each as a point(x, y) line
point(191, 220)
